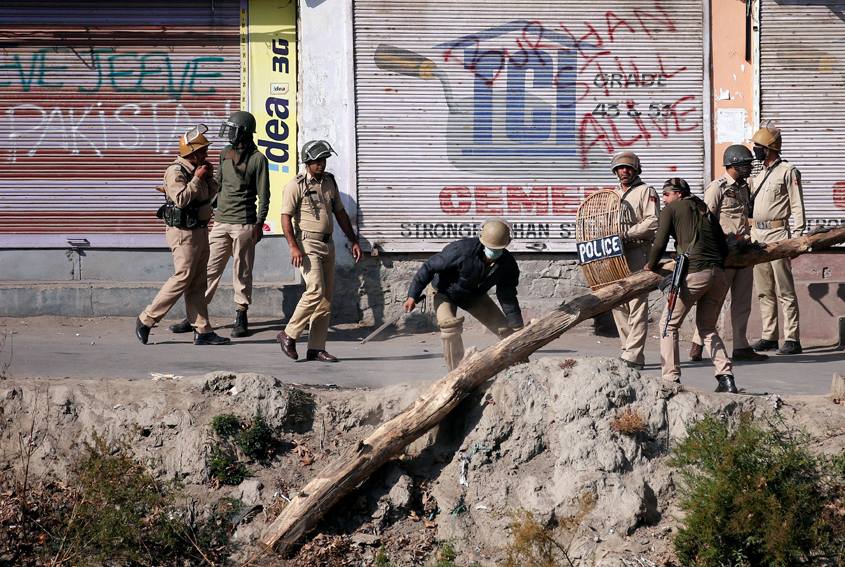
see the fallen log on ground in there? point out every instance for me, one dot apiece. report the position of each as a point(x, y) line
point(358, 462)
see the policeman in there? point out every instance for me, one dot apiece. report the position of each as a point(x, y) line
point(776, 194)
point(238, 223)
point(308, 202)
point(727, 199)
point(461, 276)
point(640, 208)
point(686, 218)
point(189, 187)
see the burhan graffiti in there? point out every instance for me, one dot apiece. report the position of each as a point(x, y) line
point(530, 110)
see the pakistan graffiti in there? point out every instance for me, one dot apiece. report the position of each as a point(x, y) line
point(96, 128)
point(104, 101)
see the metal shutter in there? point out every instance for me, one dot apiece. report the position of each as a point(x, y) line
point(93, 99)
point(802, 70)
point(480, 108)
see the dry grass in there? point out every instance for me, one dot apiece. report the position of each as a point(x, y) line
point(629, 422)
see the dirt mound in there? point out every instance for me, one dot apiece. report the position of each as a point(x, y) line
point(539, 437)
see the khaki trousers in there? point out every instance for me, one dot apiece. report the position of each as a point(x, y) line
point(707, 289)
point(773, 280)
point(226, 239)
point(771, 276)
point(632, 317)
point(740, 283)
point(190, 258)
point(485, 310)
point(315, 305)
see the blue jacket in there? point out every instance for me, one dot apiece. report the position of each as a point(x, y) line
point(458, 272)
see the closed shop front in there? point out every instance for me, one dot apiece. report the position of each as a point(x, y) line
point(475, 109)
point(93, 99)
point(802, 90)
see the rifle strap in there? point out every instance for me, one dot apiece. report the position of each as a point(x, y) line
point(765, 177)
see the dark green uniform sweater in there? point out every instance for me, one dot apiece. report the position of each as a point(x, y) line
point(679, 220)
point(241, 185)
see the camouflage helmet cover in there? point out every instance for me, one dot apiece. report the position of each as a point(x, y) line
point(626, 158)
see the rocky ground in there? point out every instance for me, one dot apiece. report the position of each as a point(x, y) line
point(546, 436)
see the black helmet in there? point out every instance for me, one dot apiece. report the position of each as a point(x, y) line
point(238, 126)
point(737, 155)
point(316, 149)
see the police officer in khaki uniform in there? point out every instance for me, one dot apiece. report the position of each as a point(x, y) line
point(189, 187)
point(242, 206)
point(727, 199)
point(640, 209)
point(696, 231)
point(308, 202)
point(776, 194)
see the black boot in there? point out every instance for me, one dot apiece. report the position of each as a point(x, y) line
point(241, 324)
point(726, 384)
point(790, 347)
point(142, 331)
point(211, 338)
point(181, 327)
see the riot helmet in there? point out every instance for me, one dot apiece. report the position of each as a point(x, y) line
point(737, 154)
point(768, 137)
point(626, 158)
point(495, 234)
point(316, 149)
point(240, 126)
point(193, 140)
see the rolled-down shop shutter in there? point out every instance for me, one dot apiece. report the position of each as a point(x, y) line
point(481, 108)
point(93, 99)
point(802, 86)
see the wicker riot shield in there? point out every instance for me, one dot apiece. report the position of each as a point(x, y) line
point(598, 229)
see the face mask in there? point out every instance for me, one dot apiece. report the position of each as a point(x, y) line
point(759, 153)
point(493, 254)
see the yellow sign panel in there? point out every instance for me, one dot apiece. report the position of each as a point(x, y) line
point(271, 27)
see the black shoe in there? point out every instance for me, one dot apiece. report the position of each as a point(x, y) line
point(748, 354)
point(142, 331)
point(726, 384)
point(181, 327)
point(321, 355)
point(695, 352)
point(763, 344)
point(211, 338)
point(288, 345)
point(634, 365)
point(790, 347)
point(241, 324)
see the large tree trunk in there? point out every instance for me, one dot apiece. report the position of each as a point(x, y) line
point(359, 462)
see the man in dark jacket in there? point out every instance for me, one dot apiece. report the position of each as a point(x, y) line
point(461, 276)
point(687, 219)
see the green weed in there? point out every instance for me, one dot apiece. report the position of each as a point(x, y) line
point(757, 496)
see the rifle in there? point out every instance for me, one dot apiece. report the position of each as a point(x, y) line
point(675, 280)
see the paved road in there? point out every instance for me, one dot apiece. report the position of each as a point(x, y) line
point(106, 348)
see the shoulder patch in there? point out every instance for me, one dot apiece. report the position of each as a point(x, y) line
point(300, 177)
point(177, 167)
point(652, 198)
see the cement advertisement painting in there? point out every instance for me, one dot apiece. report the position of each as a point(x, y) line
point(272, 91)
point(497, 114)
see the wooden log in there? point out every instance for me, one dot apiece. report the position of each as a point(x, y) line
point(837, 387)
point(358, 462)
